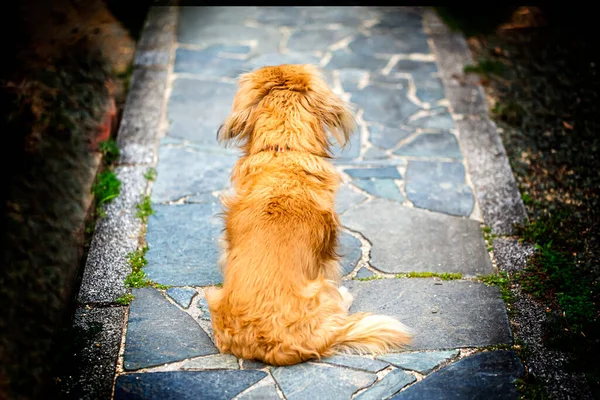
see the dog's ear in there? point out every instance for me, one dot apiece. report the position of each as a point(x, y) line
point(331, 110)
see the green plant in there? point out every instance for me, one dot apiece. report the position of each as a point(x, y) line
point(137, 278)
point(106, 188)
point(150, 174)
point(444, 276)
point(125, 299)
point(109, 150)
point(144, 209)
point(370, 278)
point(503, 281)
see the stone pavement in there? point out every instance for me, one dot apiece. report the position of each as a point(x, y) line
point(407, 205)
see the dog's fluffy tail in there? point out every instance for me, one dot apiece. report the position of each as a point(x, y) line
point(366, 333)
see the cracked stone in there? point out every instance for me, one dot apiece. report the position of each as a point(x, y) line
point(390, 384)
point(356, 362)
point(469, 314)
point(181, 296)
point(182, 241)
point(350, 251)
point(377, 172)
point(399, 18)
point(280, 16)
point(253, 364)
point(439, 120)
point(491, 375)
point(214, 361)
point(268, 59)
point(197, 108)
point(202, 304)
point(208, 62)
point(385, 188)
point(375, 153)
point(385, 43)
point(384, 105)
point(415, 68)
point(421, 362)
point(442, 144)
point(346, 198)
point(317, 381)
point(403, 237)
point(364, 273)
point(158, 332)
point(185, 385)
point(342, 59)
point(386, 137)
point(439, 186)
point(181, 172)
point(319, 39)
point(429, 89)
point(261, 392)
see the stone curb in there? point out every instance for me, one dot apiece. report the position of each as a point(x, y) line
point(106, 266)
point(491, 174)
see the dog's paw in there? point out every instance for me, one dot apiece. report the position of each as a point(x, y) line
point(347, 296)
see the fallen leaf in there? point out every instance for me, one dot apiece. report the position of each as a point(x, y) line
point(567, 125)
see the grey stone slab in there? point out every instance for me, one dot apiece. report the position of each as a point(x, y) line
point(191, 17)
point(115, 236)
point(213, 361)
point(316, 39)
point(386, 42)
point(98, 339)
point(141, 116)
point(320, 382)
point(384, 188)
point(377, 172)
point(399, 18)
point(347, 198)
point(384, 104)
point(511, 255)
point(344, 16)
point(439, 186)
point(181, 296)
point(261, 392)
point(280, 16)
point(159, 332)
point(152, 58)
point(387, 137)
point(495, 185)
point(364, 273)
point(403, 238)
point(375, 153)
point(390, 384)
point(202, 304)
point(343, 59)
point(350, 77)
point(422, 362)
point(185, 385)
point(442, 144)
point(159, 29)
point(182, 241)
point(197, 108)
point(275, 58)
point(350, 251)
point(356, 362)
point(488, 375)
point(181, 172)
point(416, 68)
point(429, 89)
point(443, 314)
point(208, 62)
point(253, 364)
point(437, 120)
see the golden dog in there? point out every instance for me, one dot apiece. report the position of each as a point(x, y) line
point(279, 302)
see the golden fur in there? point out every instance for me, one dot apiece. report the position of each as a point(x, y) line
point(279, 302)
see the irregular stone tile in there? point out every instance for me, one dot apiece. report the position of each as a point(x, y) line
point(261, 391)
point(416, 68)
point(402, 239)
point(378, 172)
point(182, 172)
point(431, 145)
point(197, 108)
point(351, 77)
point(215, 361)
point(202, 198)
point(375, 153)
point(158, 332)
point(349, 152)
point(317, 39)
point(345, 16)
point(439, 186)
point(317, 381)
point(398, 18)
point(207, 62)
point(385, 188)
point(363, 273)
point(268, 59)
point(356, 362)
point(390, 384)
point(487, 375)
point(253, 364)
point(439, 120)
point(384, 104)
point(386, 137)
point(190, 17)
point(181, 296)
point(346, 198)
point(350, 251)
point(202, 304)
point(442, 314)
point(403, 42)
point(429, 89)
point(280, 16)
point(421, 362)
point(182, 241)
point(342, 59)
point(185, 385)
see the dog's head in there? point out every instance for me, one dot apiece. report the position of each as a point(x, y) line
point(286, 105)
